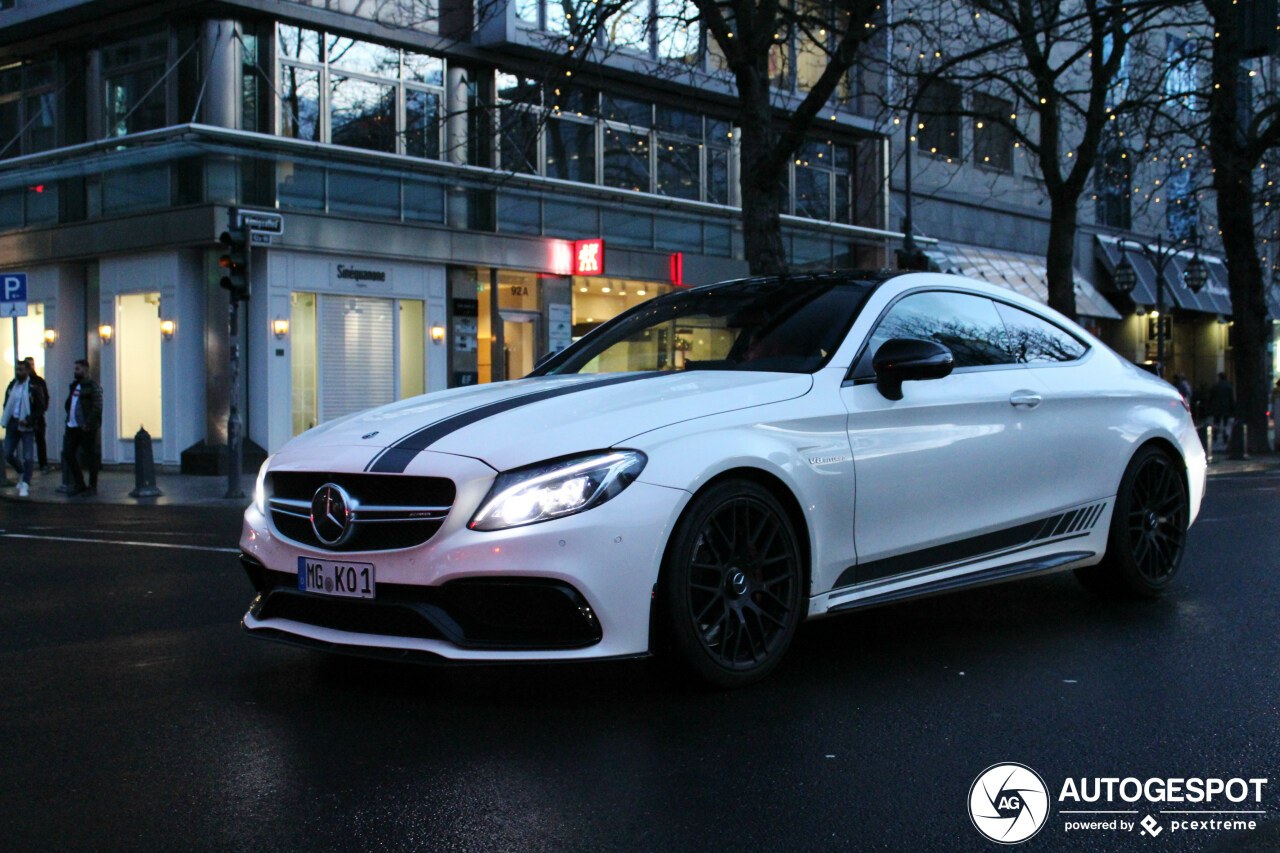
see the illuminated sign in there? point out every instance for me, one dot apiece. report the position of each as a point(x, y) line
point(588, 257)
point(561, 260)
point(677, 269)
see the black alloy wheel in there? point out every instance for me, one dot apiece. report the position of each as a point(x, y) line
point(1148, 532)
point(733, 586)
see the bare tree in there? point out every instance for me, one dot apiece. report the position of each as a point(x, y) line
point(1060, 70)
point(750, 34)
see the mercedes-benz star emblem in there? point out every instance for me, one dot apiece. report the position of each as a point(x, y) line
point(331, 514)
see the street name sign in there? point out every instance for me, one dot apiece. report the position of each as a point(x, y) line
point(261, 221)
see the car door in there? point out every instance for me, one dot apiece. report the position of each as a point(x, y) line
point(941, 475)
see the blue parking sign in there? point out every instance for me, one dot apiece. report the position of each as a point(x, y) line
point(13, 287)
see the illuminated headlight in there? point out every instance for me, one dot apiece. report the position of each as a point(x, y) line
point(554, 489)
point(260, 488)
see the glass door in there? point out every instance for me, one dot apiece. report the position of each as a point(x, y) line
point(520, 342)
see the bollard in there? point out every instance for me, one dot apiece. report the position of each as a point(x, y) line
point(1238, 443)
point(144, 467)
point(1205, 431)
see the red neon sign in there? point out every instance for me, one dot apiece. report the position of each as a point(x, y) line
point(588, 257)
point(677, 269)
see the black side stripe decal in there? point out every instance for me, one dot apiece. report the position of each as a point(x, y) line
point(1037, 532)
point(396, 458)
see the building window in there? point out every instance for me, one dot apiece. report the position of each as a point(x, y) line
point(359, 94)
point(1182, 213)
point(1180, 80)
point(642, 146)
point(1114, 185)
point(28, 107)
point(134, 77)
point(938, 120)
point(992, 138)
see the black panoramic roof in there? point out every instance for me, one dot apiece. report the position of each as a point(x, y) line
point(858, 276)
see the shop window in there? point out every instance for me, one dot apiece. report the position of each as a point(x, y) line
point(356, 343)
point(413, 353)
point(138, 342)
point(303, 364)
point(30, 343)
point(597, 299)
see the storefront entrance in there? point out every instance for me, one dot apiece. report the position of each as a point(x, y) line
point(351, 353)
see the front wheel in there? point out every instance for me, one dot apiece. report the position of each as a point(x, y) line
point(1148, 532)
point(732, 587)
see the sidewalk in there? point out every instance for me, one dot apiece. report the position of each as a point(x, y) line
point(114, 485)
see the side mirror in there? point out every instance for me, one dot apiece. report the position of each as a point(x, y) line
point(902, 359)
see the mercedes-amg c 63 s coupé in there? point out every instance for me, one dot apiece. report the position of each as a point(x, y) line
point(702, 473)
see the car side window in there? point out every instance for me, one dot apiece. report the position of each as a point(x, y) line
point(1033, 340)
point(967, 325)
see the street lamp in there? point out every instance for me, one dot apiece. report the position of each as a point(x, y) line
point(1126, 279)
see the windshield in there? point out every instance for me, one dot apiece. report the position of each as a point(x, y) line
point(783, 325)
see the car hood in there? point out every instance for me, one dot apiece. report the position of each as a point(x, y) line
point(509, 424)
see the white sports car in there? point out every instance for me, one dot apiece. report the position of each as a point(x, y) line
point(703, 472)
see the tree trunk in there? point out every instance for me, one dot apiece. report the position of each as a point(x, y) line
point(1060, 257)
point(1233, 186)
point(764, 188)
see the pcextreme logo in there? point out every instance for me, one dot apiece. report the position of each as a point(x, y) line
point(1008, 803)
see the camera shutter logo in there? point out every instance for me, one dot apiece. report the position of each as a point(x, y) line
point(1008, 803)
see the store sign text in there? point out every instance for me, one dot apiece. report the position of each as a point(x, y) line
point(588, 257)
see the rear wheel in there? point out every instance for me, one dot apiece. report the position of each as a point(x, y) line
point(1148, 530)
point(732, 589)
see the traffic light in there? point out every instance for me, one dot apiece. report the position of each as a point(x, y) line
point(235, 264)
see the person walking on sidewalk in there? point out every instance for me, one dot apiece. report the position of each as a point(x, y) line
point(84, 418)
point(23, 403)
point(42, 449)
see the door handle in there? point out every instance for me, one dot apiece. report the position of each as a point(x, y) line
point(1029, 399)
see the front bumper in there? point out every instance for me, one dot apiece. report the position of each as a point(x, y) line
point(576, 587)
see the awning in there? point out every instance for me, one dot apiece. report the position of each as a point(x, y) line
point(1021, 273)
point(1213, 298)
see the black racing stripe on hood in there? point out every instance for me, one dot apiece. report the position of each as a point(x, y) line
point(396, 458)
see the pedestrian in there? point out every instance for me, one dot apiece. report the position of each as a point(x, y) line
point(23, 403)
point(1222, 405)
point(1184, 387)
point(84, 418)
point(42, 449)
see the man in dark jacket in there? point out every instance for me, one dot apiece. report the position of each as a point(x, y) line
point(23, 403)
point(38, 426)
point(84, 419)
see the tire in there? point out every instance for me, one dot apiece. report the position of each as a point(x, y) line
point(1148, 534)
point(732, 588)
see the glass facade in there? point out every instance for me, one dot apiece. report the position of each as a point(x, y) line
point(359, 94)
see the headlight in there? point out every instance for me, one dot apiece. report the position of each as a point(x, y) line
point(260, 488)
point(554, 489)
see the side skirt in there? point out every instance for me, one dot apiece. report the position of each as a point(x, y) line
point(995, 574)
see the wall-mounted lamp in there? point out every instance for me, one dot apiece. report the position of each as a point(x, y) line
point(167, 328)
point(279, 328)
point(50, 338)
point(1142, 310)
point(437, 334)
point(105, 332)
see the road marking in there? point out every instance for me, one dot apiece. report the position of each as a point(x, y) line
point(121, 542)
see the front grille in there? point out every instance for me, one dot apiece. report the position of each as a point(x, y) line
point(471, 613)
point(390, 510)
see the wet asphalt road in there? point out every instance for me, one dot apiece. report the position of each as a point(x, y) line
point(135, 715)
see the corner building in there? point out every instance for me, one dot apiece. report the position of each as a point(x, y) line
point(449, 213)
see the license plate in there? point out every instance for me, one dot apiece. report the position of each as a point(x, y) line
point(353, 580)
